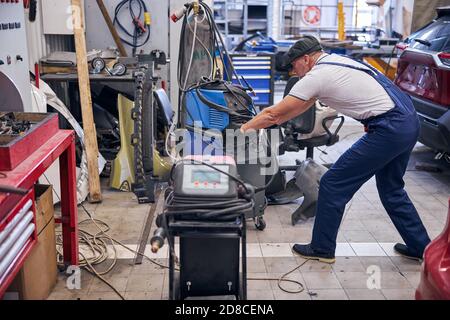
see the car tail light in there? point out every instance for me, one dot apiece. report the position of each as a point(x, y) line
point(445, 58)
point(401, 46)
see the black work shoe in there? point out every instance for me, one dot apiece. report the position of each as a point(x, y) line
point(405, 252)
point(307, 252)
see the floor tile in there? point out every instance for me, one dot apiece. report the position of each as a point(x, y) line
point(344, 250)
point(394, 280)
point(367, 249)
point(348, 264)
point(399, 294)
point(276, 250)
point(152, 295)
point(383, 263)
point(413, 278)
point(254, 250)
point(280, 265)
point(287, 290)
point(352, 225)
point(407, 265)
point(354, 280)
point(256, 265)
point(256, 281)
point(139, 283)
point(313, 265)
point(388, 248)
point(147, 267)
point(101, 295)
point(321, 280)
point(358, 236)
point(99, 286)
point(365, 294)
point(329, 294)
point(260, 295)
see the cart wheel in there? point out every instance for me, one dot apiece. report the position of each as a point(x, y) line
point(98, 64)
point(260, 224)
point(119, 69)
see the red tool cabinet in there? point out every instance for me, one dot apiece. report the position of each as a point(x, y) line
point(61, 145)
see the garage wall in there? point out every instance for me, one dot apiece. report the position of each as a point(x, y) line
point(424, 11)
point(39, 43)
point(293, 22)
point(99, 37)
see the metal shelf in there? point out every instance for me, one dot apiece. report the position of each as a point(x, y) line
point(224, 7)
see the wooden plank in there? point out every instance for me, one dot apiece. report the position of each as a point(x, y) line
point(51, 69)
point(90, 135)
point(109, 23)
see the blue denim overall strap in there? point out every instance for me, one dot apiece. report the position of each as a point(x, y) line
point(383, 152)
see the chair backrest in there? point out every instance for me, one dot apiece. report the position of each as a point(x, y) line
point(303, 123)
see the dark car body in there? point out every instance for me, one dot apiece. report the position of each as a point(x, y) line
point(424, 74)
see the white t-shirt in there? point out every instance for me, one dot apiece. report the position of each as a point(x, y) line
point(351, 92)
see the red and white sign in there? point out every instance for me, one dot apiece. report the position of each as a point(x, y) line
point(311, 15)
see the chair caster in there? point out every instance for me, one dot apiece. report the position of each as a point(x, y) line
point(260, 224)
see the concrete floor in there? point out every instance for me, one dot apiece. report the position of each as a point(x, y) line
point(365, 242)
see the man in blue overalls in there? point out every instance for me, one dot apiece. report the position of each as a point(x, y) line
point(361, 92)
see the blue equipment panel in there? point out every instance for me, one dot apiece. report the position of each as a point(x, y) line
point(198, 111)
point(258, 72)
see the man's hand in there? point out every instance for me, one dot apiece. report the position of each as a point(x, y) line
point(286, 109)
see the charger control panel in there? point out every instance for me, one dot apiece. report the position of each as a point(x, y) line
point(195, 179)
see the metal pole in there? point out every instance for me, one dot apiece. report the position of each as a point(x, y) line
point(245, 19)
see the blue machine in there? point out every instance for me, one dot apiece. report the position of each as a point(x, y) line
point(211, 109)
point(198, 111)
point(201, 115)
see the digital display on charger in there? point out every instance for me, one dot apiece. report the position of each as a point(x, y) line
point(205, 176)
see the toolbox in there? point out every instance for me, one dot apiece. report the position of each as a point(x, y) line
point(16, 147)
point(258, 70)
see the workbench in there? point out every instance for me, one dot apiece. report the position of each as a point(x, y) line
point(124, 84)
point(25, 175)
point(137, 82)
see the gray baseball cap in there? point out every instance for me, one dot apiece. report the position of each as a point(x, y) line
point(305, 45)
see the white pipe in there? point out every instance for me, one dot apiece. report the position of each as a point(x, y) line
point(15, 234)
point(15, 220)
point(15, 250)
point(276, 31)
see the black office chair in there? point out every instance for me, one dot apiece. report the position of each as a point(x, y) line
point(304, 124)
point(280, 191)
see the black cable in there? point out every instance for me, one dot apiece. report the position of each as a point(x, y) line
point(223, 211)
point(136, 18)
point(389, 61)
point(33, 11)
point(207, 205)
point(216, 28)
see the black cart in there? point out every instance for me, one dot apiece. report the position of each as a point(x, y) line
point(210, 263)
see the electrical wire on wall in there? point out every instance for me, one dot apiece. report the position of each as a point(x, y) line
point(141, 21)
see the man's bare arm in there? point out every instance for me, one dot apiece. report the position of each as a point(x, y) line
point(286, 109)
